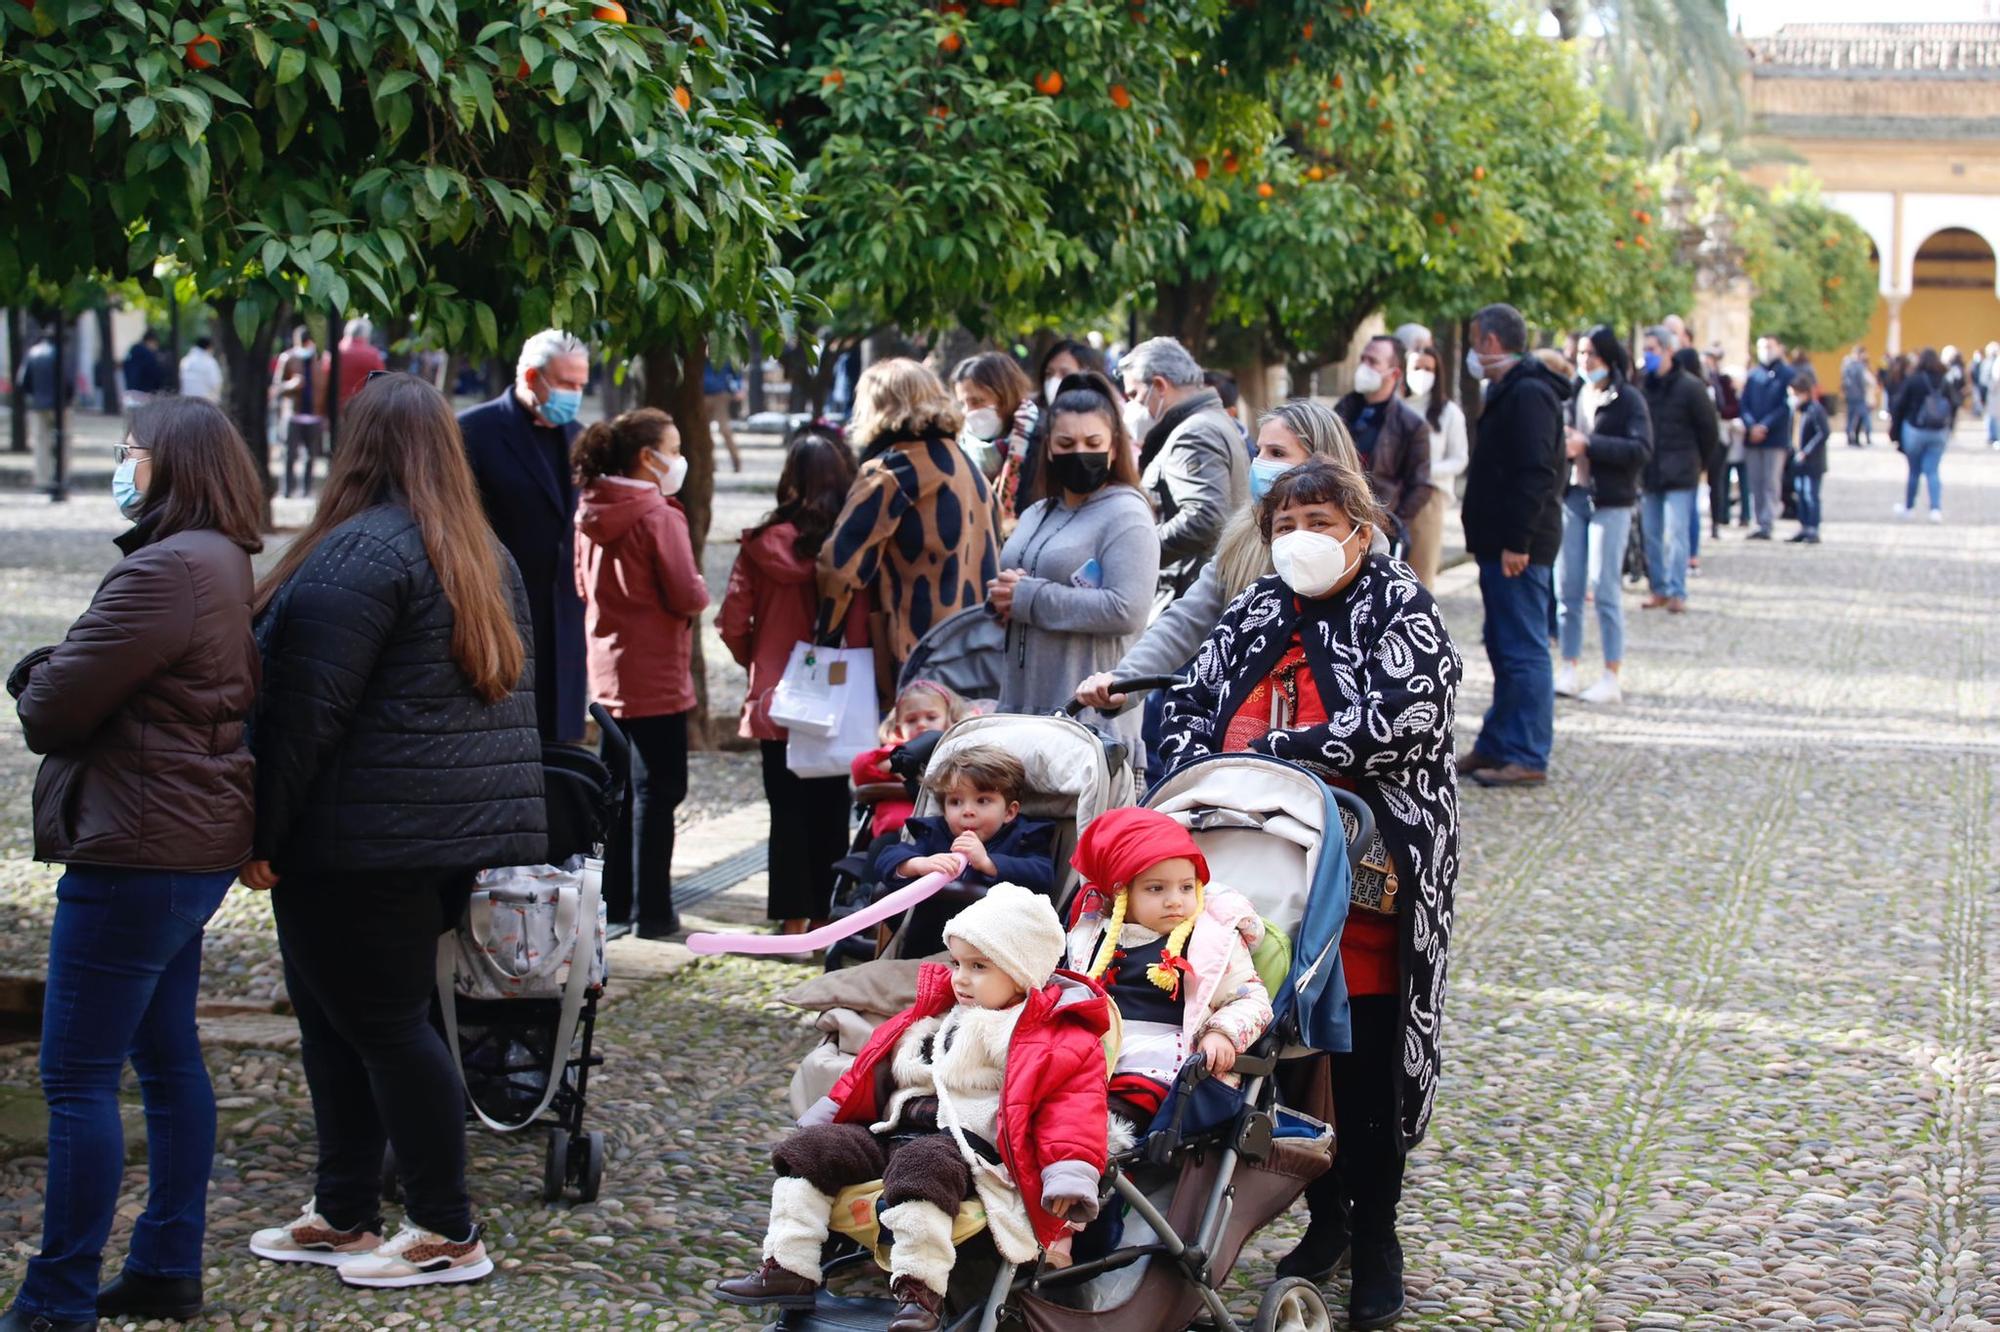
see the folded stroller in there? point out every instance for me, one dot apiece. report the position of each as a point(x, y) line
point(1218, 1163)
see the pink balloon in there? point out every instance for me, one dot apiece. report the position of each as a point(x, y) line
point(784, 945)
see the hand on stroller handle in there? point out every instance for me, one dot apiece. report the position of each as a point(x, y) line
point(1122, 690)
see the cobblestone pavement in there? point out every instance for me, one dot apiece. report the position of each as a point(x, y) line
point(1722, 1039)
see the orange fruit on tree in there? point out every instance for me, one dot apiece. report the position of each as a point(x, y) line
point(1325, 121)
point(1119, 97)
point(197, 59)
point(1479, 173)
point(834, 79)
point(1339, 82)
point(941, 112)
point(1201, 168)
point(1264, 190)
point(609, 11)
point(1437, 219)
point(1373, 101)
point(1307, 31)
point(951, 7)
point(1050, 83)
point(951, 41)
point(522, 71)
point(683, 98)
point(1315, 173)
point(1229, 163)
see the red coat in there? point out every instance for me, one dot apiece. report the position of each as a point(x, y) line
point(1052, 1096)
point(642, 593)
point(768, 608)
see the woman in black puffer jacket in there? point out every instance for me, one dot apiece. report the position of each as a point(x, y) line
point(1686, 434)
point(1608, 441)
point(397, 754)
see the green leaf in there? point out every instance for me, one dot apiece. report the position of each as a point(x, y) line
point(489, 328)
point(273, 255)
point(291, 64)
point(429, 60)
point(100, 119)
point(532, 50)
point(262, 47)
point(569, 139)
point(394, 82)
point(141, 112)
point(329, 79)
point(131, 13)
point(565, 77)
point(248, 319)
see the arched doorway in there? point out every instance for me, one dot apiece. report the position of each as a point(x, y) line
point(1951, 301)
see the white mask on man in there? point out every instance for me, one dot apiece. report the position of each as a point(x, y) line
point(1138, 419)
point(1367, 379)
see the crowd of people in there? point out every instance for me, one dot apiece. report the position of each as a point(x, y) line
point(360, 729)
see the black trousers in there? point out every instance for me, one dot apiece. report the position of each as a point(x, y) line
point(641, 854)
point(360, 956)
point(1365, 1185)
point(808, 833)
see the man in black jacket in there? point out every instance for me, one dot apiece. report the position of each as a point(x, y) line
point(519, 446)
point(1685, 432)
point(1513, 528)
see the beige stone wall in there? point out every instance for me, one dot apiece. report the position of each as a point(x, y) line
point(1777, 95)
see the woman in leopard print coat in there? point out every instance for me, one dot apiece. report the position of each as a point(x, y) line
point(1358, 683)
point(918, 527)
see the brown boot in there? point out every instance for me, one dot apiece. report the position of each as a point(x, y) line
point(1677, 605)
point(1472, 761)
point(771, 1284)
point(923, 1308)
point(1653, 602)
point(1512, 774)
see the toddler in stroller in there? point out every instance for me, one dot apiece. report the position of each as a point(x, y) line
point(923, 707)
point(1173, 952)
point(980, 787)
point(997, 1093)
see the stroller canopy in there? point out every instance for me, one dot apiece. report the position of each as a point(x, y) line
point(963, 653)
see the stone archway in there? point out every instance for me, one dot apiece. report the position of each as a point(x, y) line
point(1952, 297)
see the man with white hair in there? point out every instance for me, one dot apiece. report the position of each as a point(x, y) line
point(359, 357)
point(519, 446)
point(1191, 458)
point(1414, 337)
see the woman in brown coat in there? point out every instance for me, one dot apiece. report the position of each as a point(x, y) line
point(144, 797)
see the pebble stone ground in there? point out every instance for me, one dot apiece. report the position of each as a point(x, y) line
point(1722, 1047)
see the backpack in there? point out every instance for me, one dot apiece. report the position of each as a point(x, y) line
point(1934, 412)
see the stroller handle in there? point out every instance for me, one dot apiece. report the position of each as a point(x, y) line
point(1138, 684)
point(1364, 820)
point(617, 749)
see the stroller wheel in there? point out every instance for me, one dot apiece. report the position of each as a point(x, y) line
point(392, 1177)
point(592, 1172)
point(555, 1166)
point(1292, 1305)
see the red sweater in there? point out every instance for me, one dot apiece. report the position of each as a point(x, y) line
point(642, 594)
point(768, 609)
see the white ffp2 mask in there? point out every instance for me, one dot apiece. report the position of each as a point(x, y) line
point(1311, 563)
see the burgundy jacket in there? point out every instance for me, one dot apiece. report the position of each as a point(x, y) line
point(769, 607)
point(140, 712)
point(642, 593)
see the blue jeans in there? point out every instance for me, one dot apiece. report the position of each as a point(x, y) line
point(1924, 449)
point(1520, 727)
point(1593, 554)
point(1807, 490)
point(1664, 532)
point(124, 965)
point(1694, 525)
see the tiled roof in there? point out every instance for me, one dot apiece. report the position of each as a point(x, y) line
point(1879, 49)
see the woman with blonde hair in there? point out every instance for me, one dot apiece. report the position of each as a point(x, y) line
point(397, 754)
point(917, 531)
point(1286, 437)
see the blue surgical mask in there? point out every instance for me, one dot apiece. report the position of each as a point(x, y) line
point(1263, 473)
point(125, 490)
point(1651, 360)
point(1596, 374)
point(561, 408)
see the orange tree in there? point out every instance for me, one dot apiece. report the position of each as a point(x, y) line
point(479, 167)
point(1816, 283)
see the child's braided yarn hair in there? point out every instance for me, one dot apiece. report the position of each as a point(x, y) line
point(1117, 848)
point(1162, 973)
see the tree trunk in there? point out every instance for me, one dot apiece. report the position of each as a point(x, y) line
point(1469, 399)
point(673, 384)
point(1183, 312)
point(17, 351)
point(1569, 18)
point(107, 364)
point(247, 371)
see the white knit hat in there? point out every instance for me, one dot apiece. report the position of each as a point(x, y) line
point(1017, 929)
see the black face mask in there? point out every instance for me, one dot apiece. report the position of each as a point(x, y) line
point(1080, 473)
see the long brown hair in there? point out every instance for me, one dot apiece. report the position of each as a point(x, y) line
point(609, 448)
point(1085, 393)
point(812, 490)
point(1001, 376)
point(401, 446)
point(202, 475)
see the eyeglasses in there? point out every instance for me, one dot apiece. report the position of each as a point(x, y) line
point(127, 452)
point(374, 375)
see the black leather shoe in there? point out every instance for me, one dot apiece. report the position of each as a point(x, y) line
point(1319, 1254)
point(18, 1320)
point(658, 929)
point(1377, 1297)
point(137, 1295)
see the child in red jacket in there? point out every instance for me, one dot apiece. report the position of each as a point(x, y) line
point(924, 705)
point(998, 1080)
point(642, 595)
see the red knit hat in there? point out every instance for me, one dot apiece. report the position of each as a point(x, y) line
point(1121, 844)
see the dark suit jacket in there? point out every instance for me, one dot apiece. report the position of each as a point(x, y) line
point(530, 499)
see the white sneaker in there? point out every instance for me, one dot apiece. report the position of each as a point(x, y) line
point(1901, 510)
point(1937, 515)
point(1566, 685)
point(311, 1240)
point(1606, 690)
point(419, 1257)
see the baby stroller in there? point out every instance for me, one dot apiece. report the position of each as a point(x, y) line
point(963, 653)
point(1217, 1163)
point(519, 980)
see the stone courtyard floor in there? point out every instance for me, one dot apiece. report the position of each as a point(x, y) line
point(1722, 1046)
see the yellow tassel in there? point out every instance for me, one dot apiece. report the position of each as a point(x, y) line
point(1160, 973)
point(1112, 929)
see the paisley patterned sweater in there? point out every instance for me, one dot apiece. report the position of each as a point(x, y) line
point(1388, 674)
